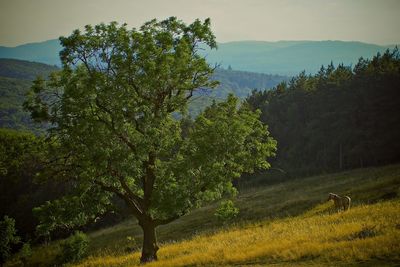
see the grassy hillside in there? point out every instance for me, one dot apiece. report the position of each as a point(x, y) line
point(365, 235)
point(281, 223)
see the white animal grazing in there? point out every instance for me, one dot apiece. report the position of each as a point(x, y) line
point(340, 202)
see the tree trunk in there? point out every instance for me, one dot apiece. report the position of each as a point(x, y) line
point(340, 157)
point(150, 248)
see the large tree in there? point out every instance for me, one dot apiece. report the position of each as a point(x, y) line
point(117, 116)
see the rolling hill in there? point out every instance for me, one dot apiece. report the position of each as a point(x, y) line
point(15, 80)
point(281, 223)
point(282, 57)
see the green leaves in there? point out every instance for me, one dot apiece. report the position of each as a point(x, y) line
point(71, 211)
point(8, 237)
point(226, 211)
point(114, 110)
point(223, 142)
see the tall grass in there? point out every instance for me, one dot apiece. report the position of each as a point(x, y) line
point(272, 204)
point(365, 233)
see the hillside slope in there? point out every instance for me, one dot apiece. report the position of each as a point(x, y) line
point(266, 224)
point(15, 80)
point(24, 70)
point(365, 235)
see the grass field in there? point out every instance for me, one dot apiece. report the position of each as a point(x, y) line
point(365, 234)
point(282, 224)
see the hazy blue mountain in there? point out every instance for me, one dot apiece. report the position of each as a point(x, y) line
point(44, 52)
point(289, 57)
point(283, 57)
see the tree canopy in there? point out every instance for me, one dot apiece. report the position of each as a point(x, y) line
point(339, 118)
point(117, 114)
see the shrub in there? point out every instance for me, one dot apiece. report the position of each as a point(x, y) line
point(74, 248)
point(7, 237)
point(25, 253)
point(226, 211)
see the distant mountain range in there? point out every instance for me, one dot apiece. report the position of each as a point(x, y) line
point(290, 57)
point(282, 57)
point(44, 52)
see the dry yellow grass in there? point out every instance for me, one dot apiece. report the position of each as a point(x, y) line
point(318, 237)
point(273, 240)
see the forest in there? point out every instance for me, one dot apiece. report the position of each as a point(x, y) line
point(340, 118)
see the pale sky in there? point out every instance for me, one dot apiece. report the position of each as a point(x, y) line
point(371, 21)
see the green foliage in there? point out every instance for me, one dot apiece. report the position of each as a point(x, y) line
point(337, 119)
point(74, 248)
point(16, 76)
point(12, 92)
point(113, 112)
point(22, 155)
point(8, 237)
point(226, 211)
point(70, 211)
point(25, 253)
point(15, 80)
point(239, 83)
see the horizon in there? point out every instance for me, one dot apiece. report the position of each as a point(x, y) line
point(238, 41)
point(367, 21)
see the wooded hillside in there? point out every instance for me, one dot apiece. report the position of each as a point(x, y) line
point(340, 118)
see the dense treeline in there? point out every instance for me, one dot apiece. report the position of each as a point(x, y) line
point(339, 118)
point(24, 70)
point(21, 154)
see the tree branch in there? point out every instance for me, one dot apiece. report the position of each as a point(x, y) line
point(149, 179)
point(138, 200)
point(136, 210)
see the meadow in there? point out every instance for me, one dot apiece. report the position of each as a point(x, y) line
point(281, 223)
point(367, 234)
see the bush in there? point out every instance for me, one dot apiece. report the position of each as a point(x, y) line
point(75, 247)
point(8, 237)
point(227, 211)
point(25, 253)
